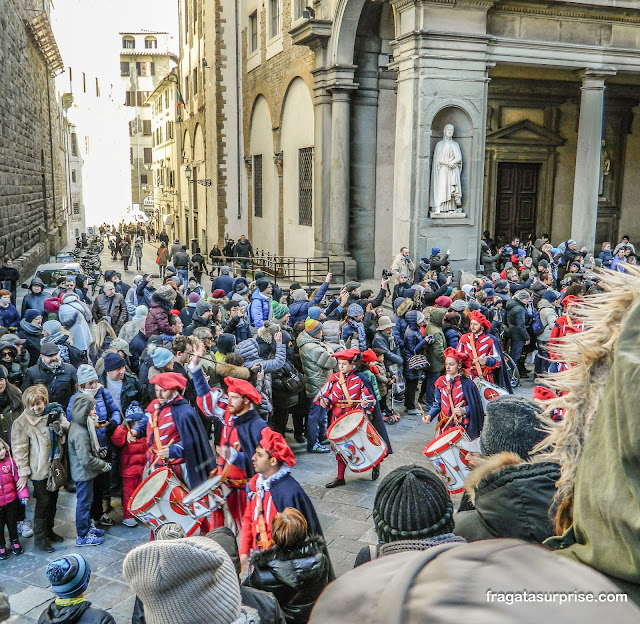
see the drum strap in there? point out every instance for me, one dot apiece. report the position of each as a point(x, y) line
point(441, 427)
point(263, 541)
point(343, 385)
point(475, 355)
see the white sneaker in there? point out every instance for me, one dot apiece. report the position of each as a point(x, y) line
point(24, 528)
point(130, 522)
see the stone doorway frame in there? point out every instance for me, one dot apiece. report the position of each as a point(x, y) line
point(521, 142)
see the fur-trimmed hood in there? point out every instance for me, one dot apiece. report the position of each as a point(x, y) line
point(512, 499)
point(223, 369)
point(160, 301)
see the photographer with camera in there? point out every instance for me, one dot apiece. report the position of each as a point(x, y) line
point(402, 263)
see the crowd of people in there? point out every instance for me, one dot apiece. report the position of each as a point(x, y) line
point(161, 377)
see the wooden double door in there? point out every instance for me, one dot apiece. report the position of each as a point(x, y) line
point(517, 200)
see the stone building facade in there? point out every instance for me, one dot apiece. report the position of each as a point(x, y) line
point(144, 61)
point(33, 207)
point(542, 97)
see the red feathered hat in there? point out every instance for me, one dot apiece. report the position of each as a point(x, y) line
point(369, 356)
point(462, 358)
point(240, 386)
point(347, 354)
point(477, 316)
point(275, 445)
point(169, 381)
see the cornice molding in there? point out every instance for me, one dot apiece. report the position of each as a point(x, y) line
point(546, 11)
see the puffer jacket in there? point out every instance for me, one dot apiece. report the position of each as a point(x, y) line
point(435, 350)
point(400, 326)
point(84, 463)
point(133, 457)
point(9, 316)
point(517, 320)
point(548, 316)
point(157, 321)
point(295, 577)
point(317, 363)
point(31, 444)
point(61, 384)
point(8, 480)
point(76, 317)
point(106, 411)
point(298, 309)
point(387, 342)
point(413, 343)
point(116, 308)
point(33, 301)
point(259, 309)
point(248, 349)
point(511, 498)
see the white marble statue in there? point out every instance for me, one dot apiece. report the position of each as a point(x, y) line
point(446, 189)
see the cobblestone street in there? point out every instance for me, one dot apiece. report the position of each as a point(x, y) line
point(345, 515)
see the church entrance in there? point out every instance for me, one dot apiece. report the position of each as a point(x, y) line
point(517, 200)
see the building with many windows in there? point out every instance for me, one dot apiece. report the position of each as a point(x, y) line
point(542, 97)
point(145, 59)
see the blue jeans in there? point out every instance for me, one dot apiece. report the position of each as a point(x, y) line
point(516, 349)
point(84, 500)
point(316, 424)
point(244, 265)
point(183, 274)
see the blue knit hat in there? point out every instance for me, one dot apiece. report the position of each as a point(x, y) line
point(161, 357)
point(551, 296)
point(355, 309)
point(69, 576)
point(435, 251)
point(314, 312)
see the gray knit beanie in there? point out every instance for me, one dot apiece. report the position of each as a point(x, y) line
point(183, 581)
point(511, 424)
point(412, 503)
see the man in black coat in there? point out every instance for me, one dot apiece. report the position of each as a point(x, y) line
point(243, 251)
point(59, 378)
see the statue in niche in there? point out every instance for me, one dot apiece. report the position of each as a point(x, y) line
point(446, 188)
point(605, 167)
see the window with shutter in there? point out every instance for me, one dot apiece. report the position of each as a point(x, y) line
point(146, 126)
point(124, 68)
point(138, 68)
point(147, 156)
point(257, 185)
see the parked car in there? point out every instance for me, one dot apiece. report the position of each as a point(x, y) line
point(51, 273)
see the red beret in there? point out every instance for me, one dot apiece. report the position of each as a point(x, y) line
point(347, 354)
point(240, 386)
point(462, 358)
point(174, 312)
point(51, 305)
point(477, 316)
point(275, 445)
point(570, 299)
point(369, 356)
point(542, 393)
point(218, 294)
point(169, 381)
point(443, 302)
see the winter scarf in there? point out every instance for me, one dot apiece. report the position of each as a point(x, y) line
point(362, 335)
point(59, 339)
point(30, 328)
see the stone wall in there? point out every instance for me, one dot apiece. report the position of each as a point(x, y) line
point(32, 187)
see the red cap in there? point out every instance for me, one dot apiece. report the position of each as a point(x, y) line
point(218, 294)
point(542, 393)
point(347, 354)
point(169, 381)
point(460, 357)
point(569, 299)
point(174, 312)
point(443, 302)
point(369, 356)
point(477, 316)
point(240, 386)
point(275, 445)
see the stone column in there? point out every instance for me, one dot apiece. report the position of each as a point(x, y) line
point(587, 175)
point(279, 162)
point(340, 171)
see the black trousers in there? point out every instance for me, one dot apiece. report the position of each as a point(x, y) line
point(410, 393)
point(9, 518)
point(46, 503)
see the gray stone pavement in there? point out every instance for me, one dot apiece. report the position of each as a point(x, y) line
point(345, 516)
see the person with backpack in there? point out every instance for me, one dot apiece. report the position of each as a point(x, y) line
point(543, 325)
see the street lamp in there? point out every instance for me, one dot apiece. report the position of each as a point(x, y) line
point(187, 172)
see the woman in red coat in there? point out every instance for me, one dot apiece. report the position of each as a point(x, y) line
point(133, 458)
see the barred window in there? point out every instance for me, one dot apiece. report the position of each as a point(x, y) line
point(305, 186)
point(257, 185)
point(76, 208)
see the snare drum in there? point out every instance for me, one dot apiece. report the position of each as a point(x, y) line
point(449, 459)
point(159, 499)
point(356, 440)
point(488, 391)
point(206, 498)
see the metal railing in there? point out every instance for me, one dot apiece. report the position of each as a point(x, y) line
point(311, 271)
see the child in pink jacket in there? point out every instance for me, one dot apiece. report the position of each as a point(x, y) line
point(10, 500)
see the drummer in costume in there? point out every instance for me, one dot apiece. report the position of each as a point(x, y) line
point(344, 392)
point(565, 325)
point(241, 430)
point(271, 490)
point(175, 433)
point(484, 351)
point(457, 400)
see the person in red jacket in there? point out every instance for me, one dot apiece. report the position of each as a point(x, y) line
point(567, 324)
point(10, 500)
point(132, 459)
